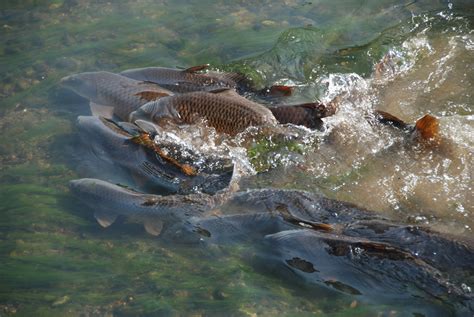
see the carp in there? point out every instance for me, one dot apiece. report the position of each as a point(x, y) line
point(112, 94)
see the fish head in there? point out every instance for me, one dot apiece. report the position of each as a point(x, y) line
point(84, 84)
point(103, 139)
point(86, 189)
point(145, 112)
point(155, 111)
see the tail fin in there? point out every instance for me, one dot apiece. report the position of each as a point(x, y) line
point(427, 128)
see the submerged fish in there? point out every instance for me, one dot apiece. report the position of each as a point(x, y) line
point(363, 269)
point(335, 245)
point(110, 142)
point(109, 201)
point(112, 94)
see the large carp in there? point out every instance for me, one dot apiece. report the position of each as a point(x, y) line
point(110, 201)
point(188, 80)
point(112, 94)
point(225, 111)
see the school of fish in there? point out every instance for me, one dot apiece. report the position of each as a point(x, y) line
point(133, 171)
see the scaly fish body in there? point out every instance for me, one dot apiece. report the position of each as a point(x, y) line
point(226, 112)
point(187, 80)
point(122, 201)
point(107, 89)
point(110, 201)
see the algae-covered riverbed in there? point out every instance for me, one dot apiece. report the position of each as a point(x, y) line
point(55, 260)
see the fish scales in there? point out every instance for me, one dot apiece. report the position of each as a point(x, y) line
point(126, 202)
point(124, 94)
point(223, 113)
point(226, 112)
point(187, 80)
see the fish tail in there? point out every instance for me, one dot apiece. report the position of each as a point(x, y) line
point(427, 129)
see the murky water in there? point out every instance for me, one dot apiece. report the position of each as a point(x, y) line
point(55, 259)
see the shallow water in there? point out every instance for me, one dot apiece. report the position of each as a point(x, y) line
point(56, 260)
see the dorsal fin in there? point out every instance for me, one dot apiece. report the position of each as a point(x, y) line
point(428, 128)
point(151, 95)
point(224, 91)
point(387, 118)
point(220, 90)
point(195, 69)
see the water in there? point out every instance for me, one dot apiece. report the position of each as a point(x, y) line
point(57, 261)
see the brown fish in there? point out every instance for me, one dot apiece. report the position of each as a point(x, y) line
point(308, 114)
point(226, 111)
point(113, 94)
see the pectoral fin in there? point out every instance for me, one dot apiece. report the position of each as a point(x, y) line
point(101, 110)
point(105, 218)
point(153, 226)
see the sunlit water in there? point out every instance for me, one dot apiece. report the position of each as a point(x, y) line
point(56, 258)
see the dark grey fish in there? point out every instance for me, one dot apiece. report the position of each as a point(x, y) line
point(112, 144)
point(191, 80)
point(113, 93)
point(447, 253)
point(300, 209)
point(336, 245)
point(369, 271)
point(110, 201)
point(226, 111)
point(187, 80)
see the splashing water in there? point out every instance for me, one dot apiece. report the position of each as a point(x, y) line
point(378, 167)
point(359, 160)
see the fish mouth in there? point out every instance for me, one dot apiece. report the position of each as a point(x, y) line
point(79, 185)
point(68, 81)
point(74, 185)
